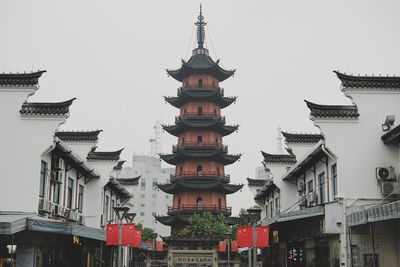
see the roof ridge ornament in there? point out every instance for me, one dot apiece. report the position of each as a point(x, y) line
point(200, 29)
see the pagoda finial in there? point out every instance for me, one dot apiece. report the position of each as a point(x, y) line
point(200, 29)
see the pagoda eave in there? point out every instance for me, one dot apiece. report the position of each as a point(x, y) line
point(215, 126)
point(217, 156)
point(214, 70)
point(187, 95)
point(215, 186)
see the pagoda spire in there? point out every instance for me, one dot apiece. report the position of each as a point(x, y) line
point(200, 29)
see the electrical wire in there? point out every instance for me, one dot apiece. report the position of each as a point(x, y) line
point(190, 42)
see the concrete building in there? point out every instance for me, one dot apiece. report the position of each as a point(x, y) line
point(333, 197)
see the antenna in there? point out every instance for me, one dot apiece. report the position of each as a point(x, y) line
point(279, 139)
point(156, 140)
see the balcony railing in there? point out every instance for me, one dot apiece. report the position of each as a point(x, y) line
point(203, 115)
point(199, 88)
point(200, 175)
point(194, 208)
point(187, 144)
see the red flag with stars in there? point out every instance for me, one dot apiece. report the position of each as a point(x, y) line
point(159, 246)
point(222, 246)
point(128, 234)
point(112, 235)
point(262, 240)
point(234, 246)
point(244, 236)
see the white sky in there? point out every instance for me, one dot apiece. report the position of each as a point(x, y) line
point(112, 56)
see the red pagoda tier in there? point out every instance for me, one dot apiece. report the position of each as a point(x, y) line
point(200, 156)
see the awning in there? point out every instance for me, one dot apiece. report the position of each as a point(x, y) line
point(301, 214)
point(13, 222)
point(382, 212)
point(66, 228)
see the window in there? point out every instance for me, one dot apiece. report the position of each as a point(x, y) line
point(80, 198)
point(70, 190)
point(199, 203)
point(277, 205)
point(142, 205)
point(154, 213)
point(167, 196)
point(43, 169)
point(271, 204)
point(200, 83)
point(200, 111)
point(199, 170)
point(142, 196)
point(219, 203)
point(321, 180)
point(180, 170)
point(154, 188)
point(112, 210)
point(216, 141)
point(218, 171)
point(334, 179)
point(142, 213)
point(310, 186)
point(143, 185)
point(179, 202)
point(199, 140)
point(56, 193)
point(106, 207)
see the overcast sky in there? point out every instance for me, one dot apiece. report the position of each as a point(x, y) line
point(112, 56)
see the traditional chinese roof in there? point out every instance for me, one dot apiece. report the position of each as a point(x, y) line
point(381, 82)
point(200, 62)
point(187, 95)
point(215, 186)
point(278, 158)
point(129, 181)
point(209, 154)
point(300, 138)
point(46, 108)
point(183, 125)
point(103, 156)
point(256, 182)
point(116, 187)
point(79, 136)
point(392, 137)
point(172, 220)
point(333, 111)
point(263, 192)
point(119, 165)
point(20, 79)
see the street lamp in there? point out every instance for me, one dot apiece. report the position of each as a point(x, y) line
point(228, 236)
point(254, 214)
point(129, 216)
point(121, 214)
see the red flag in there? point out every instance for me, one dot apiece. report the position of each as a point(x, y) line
point(262, 240)
point(128, 234)
point(137, 241)
point(234, 246)
point(222, 246)
point(159, 246)
point(244, 236)
point(112, 234)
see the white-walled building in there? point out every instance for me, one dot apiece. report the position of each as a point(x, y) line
point(337, 198)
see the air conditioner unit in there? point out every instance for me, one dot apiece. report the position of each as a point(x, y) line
point(45, 205)
point(102, 221)
point(300, 185)
point(81, 219)
point(385, 173)
point(390, 188)
point(303, 201)
point(312, 197)
point(60, 210)
point(73, 216)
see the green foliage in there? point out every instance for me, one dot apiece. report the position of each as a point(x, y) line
point(147, 233)
point(206, 225)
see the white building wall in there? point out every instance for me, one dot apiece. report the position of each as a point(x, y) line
point(288, 191)
point(22, 141)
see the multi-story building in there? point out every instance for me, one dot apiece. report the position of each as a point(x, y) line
point(55, 185)
point(332, 199)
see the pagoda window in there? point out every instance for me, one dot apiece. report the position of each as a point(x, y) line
point(213, 83)
point(180, 170)
point(215, 112)
point(186, 83)
point(184, 112)
point(199, 203)
point(219, 203)
point(199, 140)
point(218, 171)
point(200, 111)
point(216, 141)
point(179, 202)
point(200, 83)
point(183, 140)
point(199, 170)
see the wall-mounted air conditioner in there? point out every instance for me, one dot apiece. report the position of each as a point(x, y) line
point(312, 197)
point(390, 188)
point(385, 173)
point(303, 201)
point(73, 216)
point(81, 220)
point(45, 205)
point(60, 211)
point(300, 185)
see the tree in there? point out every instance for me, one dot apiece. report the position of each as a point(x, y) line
point(206, 225)
point(147, 233)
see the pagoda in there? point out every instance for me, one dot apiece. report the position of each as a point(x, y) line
point(200, 183)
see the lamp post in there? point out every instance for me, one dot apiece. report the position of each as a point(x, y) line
point(228, 236)
point(254, 214)
point(129, 216)
point(121, 213)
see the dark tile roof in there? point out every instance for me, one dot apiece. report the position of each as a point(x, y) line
point(333, 111)
point(279, 158)
point(392, 136)
point(119, 165)
point(46, 108)
point(104, 156)
point(114, 185)
point(129, 181)
point(79, 136)
point(382, 82)
point(212, 185)
point(256, 182)
point(20, 79)
point(294, 138)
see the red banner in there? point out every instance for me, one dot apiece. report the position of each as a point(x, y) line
point(112, 234)
point(222, 246)
point(128, 234)
point(244, 236)
point(262, 240)
point(234, 246)
point(159, 246)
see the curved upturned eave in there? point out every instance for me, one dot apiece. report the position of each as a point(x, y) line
point(214, 70)
point(214, 186)
point(217, 156)
point(172, 220)
point(213, 125)
point(185, 98)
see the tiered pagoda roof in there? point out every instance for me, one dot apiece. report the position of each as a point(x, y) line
point(46, 108)
point(175, 219)
point(103, 155)
point(333, 111)
point(187, 94)
point(216, 154)
point(213, 185)
point(381, 82)
point(20, 79)
point(79, 136)
point(301, 138)
point(213, 124)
